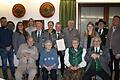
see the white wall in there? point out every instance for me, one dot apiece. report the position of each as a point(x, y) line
point(32, 9)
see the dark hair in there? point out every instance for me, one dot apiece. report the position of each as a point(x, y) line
point(31, 19)
point(25, 33)
point(3, 18)
point(101, 20)
point(51, 22)
point(116, 16)
point(11, 23)
point(38, 21)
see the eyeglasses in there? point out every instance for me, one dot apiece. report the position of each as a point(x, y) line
point(20, 25)
point(96, 41)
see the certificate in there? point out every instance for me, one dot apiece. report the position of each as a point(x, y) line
point(2, 79)
point(60, 44)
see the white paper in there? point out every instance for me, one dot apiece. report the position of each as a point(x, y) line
point(2, 79)
point(60, 44)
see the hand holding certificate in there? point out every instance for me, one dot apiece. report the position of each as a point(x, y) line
point(60, 44)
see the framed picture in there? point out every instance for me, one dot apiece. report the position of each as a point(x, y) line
point(25, 22)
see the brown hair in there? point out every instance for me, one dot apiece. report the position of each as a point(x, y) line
point(58, 23)
point(93, 31)
point(29, 22)
point(25, 33)
point(51, 22)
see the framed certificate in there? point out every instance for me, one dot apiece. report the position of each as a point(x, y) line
point(60, 44)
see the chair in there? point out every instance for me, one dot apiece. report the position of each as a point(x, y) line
point(97, 78)
point(59, 76)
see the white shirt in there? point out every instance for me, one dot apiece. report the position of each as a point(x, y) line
point(38, 32)
point(66, 59)
point(30, 29)
point(57, 33)
point(98, 49)
point(101, 31)
point(114, 28)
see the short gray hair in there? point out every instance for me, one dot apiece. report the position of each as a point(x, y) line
point(47, 41)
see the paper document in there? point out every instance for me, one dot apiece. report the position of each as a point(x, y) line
point(60, 44)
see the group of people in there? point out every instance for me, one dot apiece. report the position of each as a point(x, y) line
point(86, 57)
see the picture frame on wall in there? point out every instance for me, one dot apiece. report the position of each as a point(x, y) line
point(25, 22)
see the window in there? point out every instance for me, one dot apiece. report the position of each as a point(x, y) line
point(94, 12)
point(112, 12)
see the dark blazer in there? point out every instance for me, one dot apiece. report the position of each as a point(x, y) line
point(103, 36)
point(17, 40)
point(50, 36)
point(39, 43)
point(60, 36)
point(104, 58)
point(113, 38)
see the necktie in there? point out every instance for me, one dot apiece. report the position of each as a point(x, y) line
point(58, 37)
point(96, 50)
point(38, 36)
point(50, 36)
point(100, 32)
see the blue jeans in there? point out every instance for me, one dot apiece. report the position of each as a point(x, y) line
point(10, 56)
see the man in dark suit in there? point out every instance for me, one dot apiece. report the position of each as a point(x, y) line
point(39, 40)
point(98, 59)
point(102, 31)
point(50, 33)
point(38, 35)
point(59, 35)
point(113, 44)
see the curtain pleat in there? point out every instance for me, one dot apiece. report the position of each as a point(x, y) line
point(67, 11)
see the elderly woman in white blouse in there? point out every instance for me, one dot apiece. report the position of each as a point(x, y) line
point(74, 60)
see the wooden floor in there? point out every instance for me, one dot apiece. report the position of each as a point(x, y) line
point(10, 78)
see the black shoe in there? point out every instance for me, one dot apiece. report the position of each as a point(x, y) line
point(37, 75)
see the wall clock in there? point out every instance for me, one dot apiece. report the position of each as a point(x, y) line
point(47, 9)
